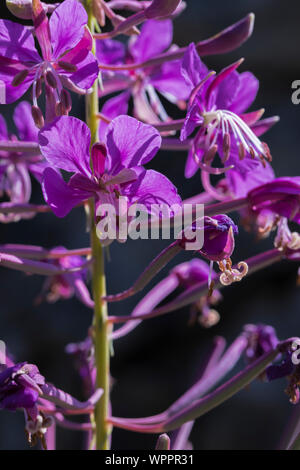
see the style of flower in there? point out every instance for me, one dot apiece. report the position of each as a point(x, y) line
point(217, 107)
point(65, 60)
point(117, 166)
point(15, 166)
point(142, 84)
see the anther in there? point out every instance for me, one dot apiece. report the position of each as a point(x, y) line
point(226, 146)
point(51, 80)
point(37, 116)
point(67, 66)
point(19, 78)
point(242, 151)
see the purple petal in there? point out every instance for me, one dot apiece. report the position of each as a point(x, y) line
point(8, 93)
point(65, 144)
point(60, 197)
point(24, 398)
point(191, 166)
point(150, 188)
point(130, 143)
point(169, 82)
point(27, 130)
point(193, 69)
point(110, 52)
point(80, 51)
point(246, 93)
point(240, 184)
point(112, 108)
point(16, 42)
point(227, 91)
point(155, 37)
point(67, 24)
point(86, 74)
point(191, 121)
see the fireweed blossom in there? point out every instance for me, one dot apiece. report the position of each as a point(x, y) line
point(272, 205)
point(16, 166)
point(66, 60)
point(117, 165)
point(23, 387)
point(217, 107)
point(190, 274)
point(64, 286)
point(142, 84)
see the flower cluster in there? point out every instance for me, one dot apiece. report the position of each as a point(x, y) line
point(107, 160)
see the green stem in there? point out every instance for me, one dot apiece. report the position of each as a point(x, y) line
point(101, 328)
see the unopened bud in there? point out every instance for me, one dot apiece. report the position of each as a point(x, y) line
point(161, 8)
point(163, 442)
point(37, 116)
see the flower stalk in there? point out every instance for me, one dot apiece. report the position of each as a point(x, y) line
point(101, 328)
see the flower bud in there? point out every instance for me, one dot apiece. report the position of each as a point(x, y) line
point(161, 8)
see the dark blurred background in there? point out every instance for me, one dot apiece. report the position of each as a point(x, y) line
point(161, 359)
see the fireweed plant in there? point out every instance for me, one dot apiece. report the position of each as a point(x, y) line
point(87, 47)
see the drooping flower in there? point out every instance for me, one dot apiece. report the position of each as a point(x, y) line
point(280, 196)
point(272, 205)
point(194, 272)
point(142, 84)
point(117, 165)
point(65, 60)
point(83, 354)
point(261, 339)
point(15, 166)
point(287, 367)
point(64, 286)
point(20, 386)
point(217, 108)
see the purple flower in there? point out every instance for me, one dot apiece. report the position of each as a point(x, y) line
point(66, 59)
point(280, 197)
point(142, 84)
point(194, 272)
point(261, 339)
point(286, 368)
point(219, 234)
point(64, 286)
point(271, 205)
point(117, 165)
point(216, 107)
point(15, 166)
point(83, 354)
point(20, 386)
